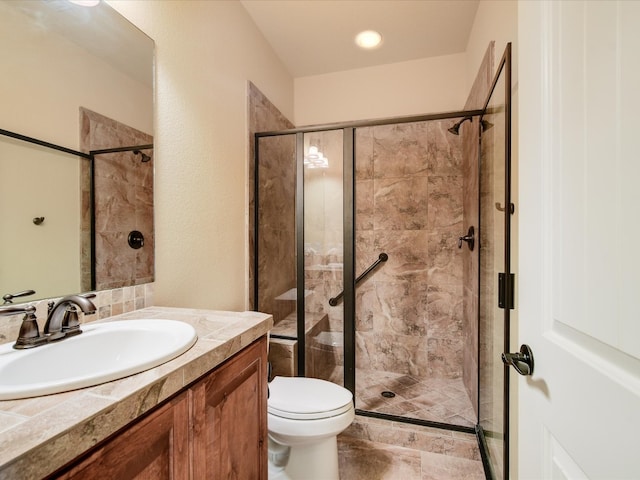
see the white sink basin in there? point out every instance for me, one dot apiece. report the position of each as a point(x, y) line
point(102, 353)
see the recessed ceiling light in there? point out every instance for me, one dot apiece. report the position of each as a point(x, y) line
point(368, 39)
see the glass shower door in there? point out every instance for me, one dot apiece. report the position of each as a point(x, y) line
point(496, 284)
point(323, 254)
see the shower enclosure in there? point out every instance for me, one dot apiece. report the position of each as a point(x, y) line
point(371, 254)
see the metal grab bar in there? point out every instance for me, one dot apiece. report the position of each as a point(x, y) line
point(383, 257)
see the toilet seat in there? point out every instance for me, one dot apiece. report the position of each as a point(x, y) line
point(301, 398)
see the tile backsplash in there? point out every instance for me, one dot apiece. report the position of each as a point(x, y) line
point(107, 302)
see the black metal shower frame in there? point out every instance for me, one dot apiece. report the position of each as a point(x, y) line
point(349, 276)
point(507, 293)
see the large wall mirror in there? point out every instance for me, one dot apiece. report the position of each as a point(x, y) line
point(82, 78)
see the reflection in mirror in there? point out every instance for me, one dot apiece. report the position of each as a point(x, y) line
point(40, 205)
point(123, 183)
point(81, 78)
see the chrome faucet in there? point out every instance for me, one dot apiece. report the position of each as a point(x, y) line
point(62, 322)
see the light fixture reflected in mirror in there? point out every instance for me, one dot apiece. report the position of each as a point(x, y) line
point(85, 3)
point(315, 158)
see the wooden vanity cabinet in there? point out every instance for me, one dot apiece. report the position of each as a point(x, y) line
point(215, 429)
point(156, 448)
point(230, 419)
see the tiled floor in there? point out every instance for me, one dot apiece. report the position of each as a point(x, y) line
point(437, 400)
point(373, 449)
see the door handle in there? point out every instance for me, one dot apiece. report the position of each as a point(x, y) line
point(522, 362)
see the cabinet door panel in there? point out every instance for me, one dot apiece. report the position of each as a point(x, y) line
point(156, 448)
point(230, 419)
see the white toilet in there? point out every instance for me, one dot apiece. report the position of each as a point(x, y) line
point(305, 415)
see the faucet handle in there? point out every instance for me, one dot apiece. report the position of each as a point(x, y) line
point(29, 335)
point(70, 322)
point(8, 298)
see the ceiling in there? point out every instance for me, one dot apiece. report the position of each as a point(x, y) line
point(313, 37)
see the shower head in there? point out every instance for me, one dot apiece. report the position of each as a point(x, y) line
point(455, 128)
point(485, 125)
point(143, 156)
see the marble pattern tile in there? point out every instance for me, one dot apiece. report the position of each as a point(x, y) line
point(397, 315)
point(379, 449)
point(445, 201)
point(364, 207)
point(439, 467)
point(408, 252)
point(445, 154)
point(401, 203)
point(364, 153)
point(444, 310)
point(443, 400)
point(264, 116)
point(123, 202)
point(400, 150)
point(444, 257)
point(359, 459)
point(392, 352)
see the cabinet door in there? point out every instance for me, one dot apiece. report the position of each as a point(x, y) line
point(230, 419)
point(156, 448)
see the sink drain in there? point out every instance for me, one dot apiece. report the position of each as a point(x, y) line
point(388, 394)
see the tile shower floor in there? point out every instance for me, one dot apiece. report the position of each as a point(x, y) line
point(374, 449)
point(437, 400)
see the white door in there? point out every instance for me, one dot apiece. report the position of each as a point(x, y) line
point(579, 239)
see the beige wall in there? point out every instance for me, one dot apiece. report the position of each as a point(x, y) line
point(46, 257)
point(495, 20)
point(205, 54)
point(41, 96)
point(428, 85)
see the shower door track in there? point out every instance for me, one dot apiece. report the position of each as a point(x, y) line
point(415, 421)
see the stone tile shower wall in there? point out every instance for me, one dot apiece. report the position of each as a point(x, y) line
point(123, 202)
point(276, 248)
point(409, 204)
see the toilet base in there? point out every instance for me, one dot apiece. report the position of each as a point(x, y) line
point(316, 461)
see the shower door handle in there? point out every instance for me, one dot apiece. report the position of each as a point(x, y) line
point(469, 238)
point(522, 362)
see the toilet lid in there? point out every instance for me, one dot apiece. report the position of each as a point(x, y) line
point(307, 398)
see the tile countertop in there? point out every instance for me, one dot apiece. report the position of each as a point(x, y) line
point(39, 435)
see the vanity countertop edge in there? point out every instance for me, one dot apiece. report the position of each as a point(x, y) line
point(39, 435)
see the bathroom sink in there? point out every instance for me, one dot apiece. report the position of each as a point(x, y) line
point(102, 353)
